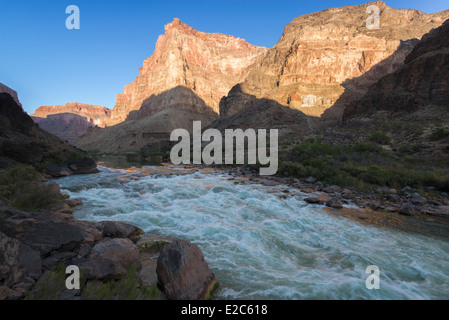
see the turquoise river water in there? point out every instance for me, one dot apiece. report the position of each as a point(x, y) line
point(261, 245)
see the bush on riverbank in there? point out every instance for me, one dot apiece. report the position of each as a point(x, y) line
point(380, 138)
point(439, 134)
point(21, 185)
point(364, 166)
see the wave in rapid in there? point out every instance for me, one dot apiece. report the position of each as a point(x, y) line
point(262, 246)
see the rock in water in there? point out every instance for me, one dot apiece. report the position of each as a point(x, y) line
point(57, 171)
point(83, 166)
point(335, 203)
point(313, 200)
point(183, 274)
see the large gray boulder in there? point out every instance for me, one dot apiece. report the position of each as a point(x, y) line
point(110, 259)
point(47, 232)
point(115, 229)
point(183, 274)
point(83, 166)
point(57, 171)
point(17, 261)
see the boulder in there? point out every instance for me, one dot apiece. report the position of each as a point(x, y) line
point(393, 197)
point(115, 229)
point(183, 274)
point(310, 180)
point(83, 166)
point(74, 202)
point(407, 190)
point(57, 171)
point(57, 258)
point(347, 194)
point(334, 203)
point(407, 209)
point(45, 231)
point(9, 294)
point(17, 261)
point(318, 186)
point(331, 189)
point(110, 259)
point(418, 199)
point(25, 285)
point(313, 200)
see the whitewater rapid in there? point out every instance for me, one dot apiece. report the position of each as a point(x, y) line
point(262, 245)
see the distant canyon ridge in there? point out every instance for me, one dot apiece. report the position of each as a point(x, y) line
point(71, 121)
point(323, 64)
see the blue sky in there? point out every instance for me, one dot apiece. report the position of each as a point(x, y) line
point(48, 64)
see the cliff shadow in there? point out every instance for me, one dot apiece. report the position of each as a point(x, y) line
point(179, 97)
point(356, 88)
point(67, 126)
point(240, 110)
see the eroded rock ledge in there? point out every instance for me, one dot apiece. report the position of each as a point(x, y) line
point(36, 247)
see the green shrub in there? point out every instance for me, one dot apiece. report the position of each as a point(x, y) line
point(380, 138)
point(365, 165)
point(404, 149)
point(54, 156)
point(75, 155)
point(20, 184)
point(292, 169)
point(364, 147)
point(312, 148)
point(153, 246)
point(439, 134)
point(416, 148)
point(49, 286)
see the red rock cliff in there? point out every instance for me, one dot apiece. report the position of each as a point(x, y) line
point(207, 63)
point(330, 58)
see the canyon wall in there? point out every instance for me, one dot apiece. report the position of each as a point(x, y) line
point(326, 60)
point(421, 85)
point(11, 92)
point(208, 64)
point(70, 121)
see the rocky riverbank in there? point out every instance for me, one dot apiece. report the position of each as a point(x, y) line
point(404, 209)
point(114, 261)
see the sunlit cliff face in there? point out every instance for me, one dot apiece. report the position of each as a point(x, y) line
point(209, 64)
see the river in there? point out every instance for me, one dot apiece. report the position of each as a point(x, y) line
point(260, 243)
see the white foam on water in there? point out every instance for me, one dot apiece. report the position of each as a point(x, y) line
point(261, 246)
